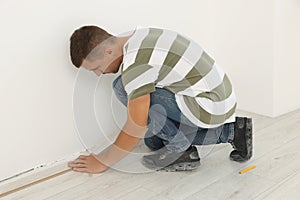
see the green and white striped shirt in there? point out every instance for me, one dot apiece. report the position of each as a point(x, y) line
point(165, 59)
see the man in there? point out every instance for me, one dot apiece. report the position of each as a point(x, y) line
point(176, 97)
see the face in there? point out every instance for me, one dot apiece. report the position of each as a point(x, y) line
point(109, 63)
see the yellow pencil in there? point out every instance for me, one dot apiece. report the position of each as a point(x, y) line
point(247, 169)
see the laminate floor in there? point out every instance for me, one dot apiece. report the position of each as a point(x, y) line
point(276, 176)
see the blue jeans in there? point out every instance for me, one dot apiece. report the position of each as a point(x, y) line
point(168, 127)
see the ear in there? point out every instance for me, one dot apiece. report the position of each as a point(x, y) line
point(108, 50)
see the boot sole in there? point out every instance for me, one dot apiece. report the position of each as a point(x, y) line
point(235, 156)
point(185, 166)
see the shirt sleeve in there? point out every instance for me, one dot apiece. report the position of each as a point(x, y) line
point(138, 80)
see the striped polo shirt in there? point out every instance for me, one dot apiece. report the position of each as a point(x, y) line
point(154, 57)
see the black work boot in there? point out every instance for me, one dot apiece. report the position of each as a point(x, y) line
point(242, 142)
point(173, 161)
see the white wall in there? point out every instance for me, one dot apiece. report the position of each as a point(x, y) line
point(37, 78)
point(258, 44)
point(36, 82)
point(286, 56)
point(243, 44)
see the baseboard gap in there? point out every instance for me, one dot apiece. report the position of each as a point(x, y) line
point(35, 175)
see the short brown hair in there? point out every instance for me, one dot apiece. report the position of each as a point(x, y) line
point(84, 40)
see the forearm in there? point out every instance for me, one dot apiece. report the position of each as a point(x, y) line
point(134, 129)
point(123, 145)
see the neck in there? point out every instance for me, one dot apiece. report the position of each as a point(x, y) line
point(121, 41)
